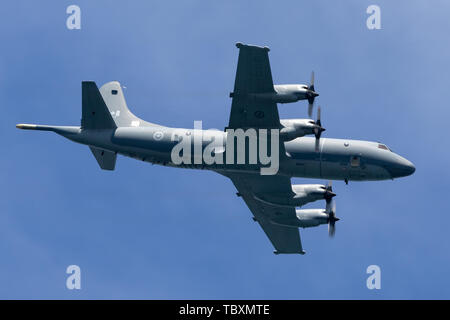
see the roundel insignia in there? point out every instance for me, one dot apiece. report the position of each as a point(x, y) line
point(158, 135)
point(259, 114)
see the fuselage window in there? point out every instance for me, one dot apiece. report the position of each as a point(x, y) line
point(114, 92)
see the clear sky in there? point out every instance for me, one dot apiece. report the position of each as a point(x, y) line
point(147, 231)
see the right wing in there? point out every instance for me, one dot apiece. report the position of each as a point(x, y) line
point(285, 239)
point(253, 72)
point(253, 76)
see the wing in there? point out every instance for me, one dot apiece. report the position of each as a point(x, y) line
point(284, 239)
point(253, 76)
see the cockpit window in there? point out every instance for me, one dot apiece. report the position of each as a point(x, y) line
point(383, 146)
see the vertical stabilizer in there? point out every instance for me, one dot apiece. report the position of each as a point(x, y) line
point(95, 114)
point(114, 99)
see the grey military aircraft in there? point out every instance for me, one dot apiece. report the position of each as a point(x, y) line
point(109, 128)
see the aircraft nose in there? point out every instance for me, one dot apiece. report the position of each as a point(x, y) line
point(401, 168)
point(411, 168)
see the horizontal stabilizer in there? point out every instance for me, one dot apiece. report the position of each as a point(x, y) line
point(106, 159)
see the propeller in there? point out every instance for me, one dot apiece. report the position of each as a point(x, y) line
point(329, 194)
point(331, 210)
point(311, 94)
point(318, 128)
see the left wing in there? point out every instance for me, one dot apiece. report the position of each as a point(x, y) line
point(285, 239)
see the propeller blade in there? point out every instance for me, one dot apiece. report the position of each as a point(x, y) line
point(319, 112)
point(331, 229)
point(311, 95)
point(329, 194)
point(310, 108)
point(311, 83)
point(318, 129)
point(328, 207)
point(317, 144)
point(331, 210)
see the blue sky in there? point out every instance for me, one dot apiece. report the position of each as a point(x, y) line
point(147, 231)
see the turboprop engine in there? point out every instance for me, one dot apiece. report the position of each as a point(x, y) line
point(287, 93)
point(296, 128)
point(307, 218)
point(305, 193)
point(301, 195)
point(283, 93)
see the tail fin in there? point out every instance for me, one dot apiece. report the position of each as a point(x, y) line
point(115, 102)
point(95, 114)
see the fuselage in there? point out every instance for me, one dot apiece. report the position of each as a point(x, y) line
point(335, 159)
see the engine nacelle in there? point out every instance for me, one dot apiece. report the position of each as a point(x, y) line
point(304, 218)
point(308, 218)
point(296, 128)
point(283, 93)
point(288, 93)
point(303, 194)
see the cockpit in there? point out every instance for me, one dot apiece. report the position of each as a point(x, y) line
point(384, 147)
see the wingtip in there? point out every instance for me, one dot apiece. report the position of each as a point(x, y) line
point(240, 45)
point(276, 252)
